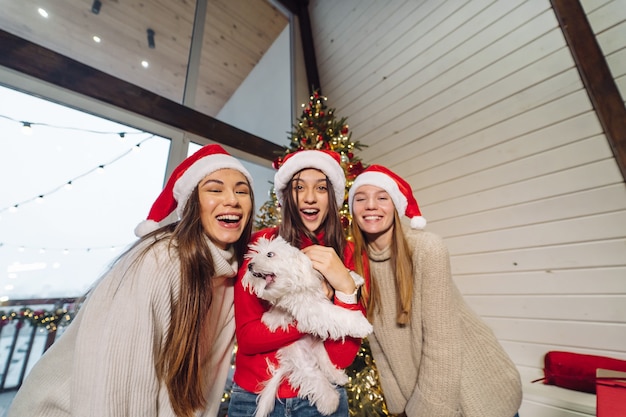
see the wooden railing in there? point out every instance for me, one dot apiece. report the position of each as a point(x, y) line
point(27, 329)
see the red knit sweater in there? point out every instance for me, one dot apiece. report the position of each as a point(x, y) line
point(257, 344)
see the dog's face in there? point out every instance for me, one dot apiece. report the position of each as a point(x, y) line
point(276, 268)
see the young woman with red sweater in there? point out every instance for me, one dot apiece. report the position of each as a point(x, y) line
point(310, 187)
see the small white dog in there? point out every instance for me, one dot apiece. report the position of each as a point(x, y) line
point(284, 276)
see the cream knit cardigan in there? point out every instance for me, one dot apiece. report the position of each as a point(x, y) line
point(446, 362)
point(104, 363)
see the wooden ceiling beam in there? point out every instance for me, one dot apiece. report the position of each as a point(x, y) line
point(31, 59)
point(595, 74)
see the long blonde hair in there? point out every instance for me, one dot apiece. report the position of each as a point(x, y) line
point(402, 267)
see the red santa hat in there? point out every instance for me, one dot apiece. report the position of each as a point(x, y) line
point(398, 189)
point(329, 162)
point(184, 180)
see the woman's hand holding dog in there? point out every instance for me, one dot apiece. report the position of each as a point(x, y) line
point(326, 261)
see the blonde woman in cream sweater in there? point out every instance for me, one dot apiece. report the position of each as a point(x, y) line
point(155, 335)
point(435, 357)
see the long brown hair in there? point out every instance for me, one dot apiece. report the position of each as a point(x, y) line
point(402, 267)
point(179, 362)
point(292, 228)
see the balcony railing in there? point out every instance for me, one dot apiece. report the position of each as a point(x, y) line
point(27, 329)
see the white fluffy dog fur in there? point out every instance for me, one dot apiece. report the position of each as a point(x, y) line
point(284, 276)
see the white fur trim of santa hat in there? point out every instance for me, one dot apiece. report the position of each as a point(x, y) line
point(200, 169)
point(184, 180)
point(397, 188)
point(328, 162)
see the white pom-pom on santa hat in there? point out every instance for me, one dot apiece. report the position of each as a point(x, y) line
point(398, 189)
point(182, 182)
point(329, 162)
point(145, 227)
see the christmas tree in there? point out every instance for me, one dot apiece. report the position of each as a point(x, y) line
point(317, 128)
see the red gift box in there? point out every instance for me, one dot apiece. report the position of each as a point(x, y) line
point(610, 393)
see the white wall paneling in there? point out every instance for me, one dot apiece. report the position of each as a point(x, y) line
point(479, 105)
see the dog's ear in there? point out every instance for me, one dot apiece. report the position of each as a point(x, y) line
point(280, 240)
point(256, 247)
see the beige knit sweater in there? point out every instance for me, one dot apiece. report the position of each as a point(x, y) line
point(446, 362)
point(104, 363)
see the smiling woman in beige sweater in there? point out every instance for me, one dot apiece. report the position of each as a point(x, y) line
point(155, 335)
point(434, 355)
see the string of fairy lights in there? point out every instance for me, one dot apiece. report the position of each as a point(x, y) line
point(47, 320)
point(27, 129)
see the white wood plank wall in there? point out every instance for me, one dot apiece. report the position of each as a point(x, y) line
point(478, 104)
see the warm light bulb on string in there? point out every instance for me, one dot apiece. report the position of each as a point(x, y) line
point(27, 128)
point(68, 184)
point(62, 250)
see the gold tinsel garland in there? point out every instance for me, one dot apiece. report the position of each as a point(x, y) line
point(365, 396)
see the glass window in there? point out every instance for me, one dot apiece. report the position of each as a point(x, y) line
point(237, 37)
point(74, 186)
